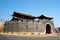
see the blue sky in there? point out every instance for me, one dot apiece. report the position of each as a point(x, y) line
point(50, 8)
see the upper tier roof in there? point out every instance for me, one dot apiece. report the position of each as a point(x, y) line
point(21, 13)
point(27, 16)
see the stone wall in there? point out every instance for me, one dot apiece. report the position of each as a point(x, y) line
point(27, 26)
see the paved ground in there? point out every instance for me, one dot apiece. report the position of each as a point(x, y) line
point(4, 37)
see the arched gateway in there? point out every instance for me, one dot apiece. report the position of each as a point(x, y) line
point(48, 29)
point(21, 22)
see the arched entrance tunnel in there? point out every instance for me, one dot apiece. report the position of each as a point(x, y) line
point(48, 29)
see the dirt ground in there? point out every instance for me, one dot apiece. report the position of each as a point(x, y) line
point(6, 37)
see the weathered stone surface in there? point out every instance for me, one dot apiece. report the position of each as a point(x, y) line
point(28, 26)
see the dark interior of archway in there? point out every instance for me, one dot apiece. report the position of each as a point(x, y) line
point(48, 29)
